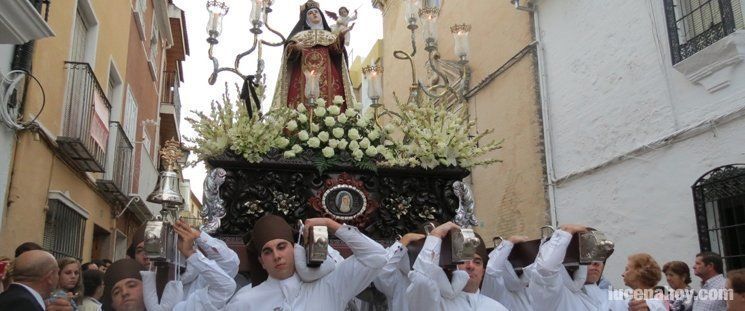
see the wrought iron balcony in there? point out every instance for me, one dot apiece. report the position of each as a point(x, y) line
point(116, 180)
point(85, 130)
point(694, 25)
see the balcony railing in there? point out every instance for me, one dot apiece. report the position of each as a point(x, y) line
point(170, 92)
point(85, 130)
point(694, 25)
point(116, 180)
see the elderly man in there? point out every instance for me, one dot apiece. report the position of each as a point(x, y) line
point(272, 243)
point(708, 266)
point(35, 275)
point(430, 289)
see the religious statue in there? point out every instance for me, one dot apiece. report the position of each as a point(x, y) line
point(313, 48)
point(342, 22)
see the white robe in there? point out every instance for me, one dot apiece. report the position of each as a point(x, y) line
point(217, 289)
point(331, 292)
point(220, 253)
point(393, 280)
point(551, 288)
point(431, 290)
point(502, 284)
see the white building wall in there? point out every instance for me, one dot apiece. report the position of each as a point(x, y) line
point(7, 138)
point(611, 89)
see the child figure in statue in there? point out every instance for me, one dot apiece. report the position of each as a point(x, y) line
point(342, 22)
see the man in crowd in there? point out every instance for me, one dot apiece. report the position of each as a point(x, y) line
point(35, 276)
point(136, 249)
point(736, 283)
point(708, 267)
point(25, 247)
point(272, 244)
point(89, 266)
point(123, 286)
point(430, 288)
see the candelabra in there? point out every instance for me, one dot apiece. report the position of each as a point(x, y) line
point(253, 85)
point(451, 76)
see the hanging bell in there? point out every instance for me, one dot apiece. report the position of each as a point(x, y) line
point(167, 191)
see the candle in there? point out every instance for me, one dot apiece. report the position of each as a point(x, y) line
point(257, 7)
point(312, 89)
point(460, 37)
point(429, 21)
point(260, 44)
point(373, 74)
point(411, 12)
point(214, 24)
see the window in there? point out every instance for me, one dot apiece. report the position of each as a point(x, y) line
point(130, 115)
point(154, 44)
point(120, 248)
point(139, 11)
point(64, 227)
point(85, 34)
point(692, 25)
point(114, 92)
point(719, 198)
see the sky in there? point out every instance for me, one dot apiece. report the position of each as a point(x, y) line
point(196, 93)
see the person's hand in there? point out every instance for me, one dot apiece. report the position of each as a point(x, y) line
point(517, 239)
point(572, 229)
point(329, 223)
point(442, 230)
point(407, 238)
point(58, 304)
point(638, 305)
point(187, 236)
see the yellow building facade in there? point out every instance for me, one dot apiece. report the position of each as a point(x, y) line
point(503, 93)
point(72, 183)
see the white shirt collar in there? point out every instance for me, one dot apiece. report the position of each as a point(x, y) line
point(35, 294)
point(290, 287)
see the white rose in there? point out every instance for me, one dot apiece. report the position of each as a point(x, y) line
point(373, 135)
point(338, 132)
point(301, 108)
point(292, 125)
point(302, 118)
point(303, 135)
point(329, 121)
point(381, 149)
point(328, 152)
point(314, 128)
point(389, 128)
point(353, 134)
point(364, 143)
point(297, 149)
point(334, 110)
point(342, 118)
point(362, 122)
point(371, 151)
point(323, 136)
point(338, 100)
point(342, 144)
point(321, 102)
point(388, 143)
point(354, 145)
point(333, 143)
point(350, 112)
point(314, 142)
point(319, 111)
point(281, 142)
point(357, 105)
point(357, 154)
point(288, 154)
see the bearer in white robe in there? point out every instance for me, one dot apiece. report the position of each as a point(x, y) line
point(284, 290)
point(462, 293)
point(209, 289)
point(552, 288)
point(394, 280)
point(502, 283)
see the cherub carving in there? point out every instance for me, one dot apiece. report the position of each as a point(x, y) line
point(342, 22)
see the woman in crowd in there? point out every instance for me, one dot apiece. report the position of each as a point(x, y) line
point(642, 274)
point(92, 290)
point(70, 280)
point(678, 276)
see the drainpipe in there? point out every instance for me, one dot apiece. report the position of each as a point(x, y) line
point(546, 115)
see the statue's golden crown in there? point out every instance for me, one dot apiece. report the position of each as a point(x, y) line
point(309, 5)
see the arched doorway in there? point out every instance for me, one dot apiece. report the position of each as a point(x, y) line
point(719, 198)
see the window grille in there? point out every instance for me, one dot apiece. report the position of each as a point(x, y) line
point(692, 25)
point(64, 230)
